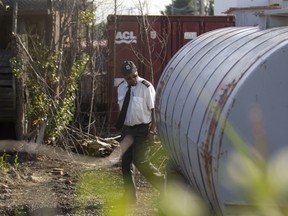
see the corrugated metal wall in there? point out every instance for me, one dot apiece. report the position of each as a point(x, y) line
point(7, 88)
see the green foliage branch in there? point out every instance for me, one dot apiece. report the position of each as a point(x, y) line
point(87, 17)
point(50, 91)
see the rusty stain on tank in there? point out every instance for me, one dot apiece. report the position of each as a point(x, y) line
point(206, 153)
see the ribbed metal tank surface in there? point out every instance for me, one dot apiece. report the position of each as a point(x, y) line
point(214, 83)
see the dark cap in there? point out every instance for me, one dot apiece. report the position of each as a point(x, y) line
point(128, 67)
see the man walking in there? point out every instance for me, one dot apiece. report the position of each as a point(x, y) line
point(136, 97)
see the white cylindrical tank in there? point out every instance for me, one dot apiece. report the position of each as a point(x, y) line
point(212, 86)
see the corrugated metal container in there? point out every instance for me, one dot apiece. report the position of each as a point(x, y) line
point(213, 86)
point(151, 41)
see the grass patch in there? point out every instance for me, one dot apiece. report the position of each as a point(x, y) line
point(99, 186)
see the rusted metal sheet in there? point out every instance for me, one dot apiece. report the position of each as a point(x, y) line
point(213, 84)
point(151, 41)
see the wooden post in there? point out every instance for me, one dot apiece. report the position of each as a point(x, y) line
point(15, 17)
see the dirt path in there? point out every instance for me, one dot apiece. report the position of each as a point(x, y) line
point(48, 181)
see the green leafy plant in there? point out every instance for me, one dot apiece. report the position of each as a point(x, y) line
point(50, 88)
point(87, 17)
point(3, 163)
point(16, 161)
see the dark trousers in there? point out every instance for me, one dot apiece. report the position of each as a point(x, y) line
point(137, 154)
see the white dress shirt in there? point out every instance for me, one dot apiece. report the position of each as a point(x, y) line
point(141, 102)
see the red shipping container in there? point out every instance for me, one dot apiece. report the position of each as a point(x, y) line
point(150, 42)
